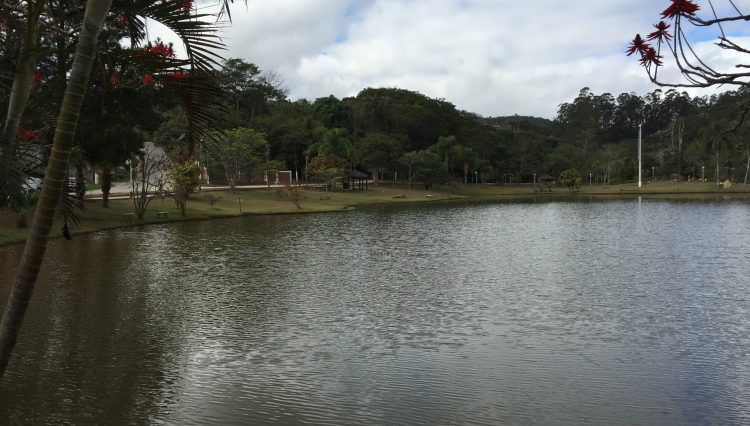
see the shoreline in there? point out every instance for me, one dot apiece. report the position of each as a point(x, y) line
point(262, 201)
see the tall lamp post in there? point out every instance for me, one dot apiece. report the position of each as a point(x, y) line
point(130, 172)
point(640, 129)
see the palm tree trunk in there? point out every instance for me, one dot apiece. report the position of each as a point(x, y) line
point(67, 122)
point(80, 185)
point(23, 81)
point(105, 181)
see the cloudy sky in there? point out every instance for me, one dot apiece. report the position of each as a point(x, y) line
point(492, 57)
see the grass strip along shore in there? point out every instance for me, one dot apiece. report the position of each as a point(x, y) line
point(211, 203)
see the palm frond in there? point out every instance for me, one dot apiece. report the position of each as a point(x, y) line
point(197, 31)
point(25, 162)
point(200, 98)
point(225, 10)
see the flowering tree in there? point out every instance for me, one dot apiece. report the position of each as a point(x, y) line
point(37, 39)
point(188, 79)
point(151, 177)
point(670, 34)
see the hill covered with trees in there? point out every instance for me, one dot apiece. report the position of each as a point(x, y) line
point(397, 133)
point(401, 133)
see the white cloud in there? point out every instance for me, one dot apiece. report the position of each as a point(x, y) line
point(493, 57)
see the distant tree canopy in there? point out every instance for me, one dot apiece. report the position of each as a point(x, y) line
point(593, 133)
point(240, 151)
point(392, 132)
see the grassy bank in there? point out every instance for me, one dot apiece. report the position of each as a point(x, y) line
point(264, 201)
point(245, 202)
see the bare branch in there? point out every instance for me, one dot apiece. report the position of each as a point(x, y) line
point(707, 23)
point(728, 44)
point(694, 69)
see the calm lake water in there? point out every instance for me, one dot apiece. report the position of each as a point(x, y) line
point(616, 312)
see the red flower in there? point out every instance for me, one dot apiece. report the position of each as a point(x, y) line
point(661, 32)
point(637, 45)
point(160, 49)
point(122, 21)
point(113, 79)
point(680, 7)
point(148, 79)
point(26, 135)
point(37, 76)
point(188, 5)
point(178, 74)
point(650, 57)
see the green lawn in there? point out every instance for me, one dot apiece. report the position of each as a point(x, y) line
point(257, 201)
point(264, 201)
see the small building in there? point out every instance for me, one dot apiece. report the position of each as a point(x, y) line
point(355, 180)
point(546, 179)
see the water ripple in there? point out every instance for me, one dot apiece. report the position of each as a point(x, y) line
point(602, 313)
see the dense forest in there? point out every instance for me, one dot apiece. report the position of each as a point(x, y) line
point(400, 134)
point(397, 133)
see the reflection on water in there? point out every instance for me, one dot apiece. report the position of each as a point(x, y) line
point(605, 312)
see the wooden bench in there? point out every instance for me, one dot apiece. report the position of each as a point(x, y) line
point(128, 217)
point(162, 215)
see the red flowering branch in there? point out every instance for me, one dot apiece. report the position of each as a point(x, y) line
point(637, 45)
point(651, 57)
point(26, 135)
point(679, 7)
point(661, 33)
point(688, 60)
point(160, 49)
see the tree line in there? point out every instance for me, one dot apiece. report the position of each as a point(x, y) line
point(684, 137)
point(400, 134)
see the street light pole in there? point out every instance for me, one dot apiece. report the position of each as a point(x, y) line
point(589, 181)
point(130, 172)
point(640, 129)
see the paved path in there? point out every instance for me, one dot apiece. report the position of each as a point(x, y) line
point(121, 190)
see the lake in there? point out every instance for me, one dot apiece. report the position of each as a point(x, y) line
point(605, 312)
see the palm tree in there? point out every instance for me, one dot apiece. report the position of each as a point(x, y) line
point(96, 12)
point(11, 175)
point(570, 178)
point(190, 88)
